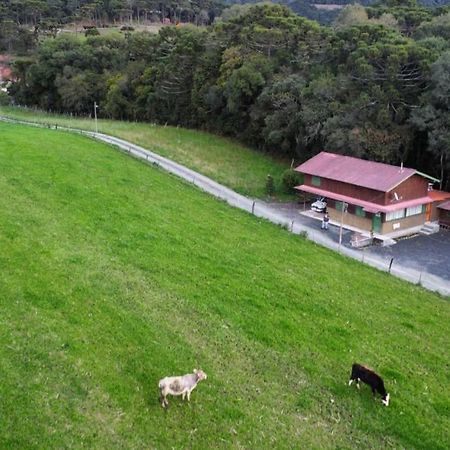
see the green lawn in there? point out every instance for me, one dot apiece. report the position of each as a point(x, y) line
point(114, 274)
point(224, 160)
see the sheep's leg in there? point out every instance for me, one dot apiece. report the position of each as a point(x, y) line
point(189, 395)
point(163, 398)
point(183, 395)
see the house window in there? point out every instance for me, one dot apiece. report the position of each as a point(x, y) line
point(394, 215)
point(414, 210)
point(359, 211)
point(315, 180)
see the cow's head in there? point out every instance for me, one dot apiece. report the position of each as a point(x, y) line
point(200, 375)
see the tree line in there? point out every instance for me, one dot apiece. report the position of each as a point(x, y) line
point(375, 85)
point(32, 12)
point(24, 22)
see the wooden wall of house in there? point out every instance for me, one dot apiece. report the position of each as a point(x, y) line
point(369, 195)
point(435, 211)
point(350, 219)
point(414, 187)
point(405, 223)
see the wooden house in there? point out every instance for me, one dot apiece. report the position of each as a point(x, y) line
point(376, 197)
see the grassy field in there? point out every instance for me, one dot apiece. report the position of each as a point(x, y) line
point(114, 274)
point(224, 160)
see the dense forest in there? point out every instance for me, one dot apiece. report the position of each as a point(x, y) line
point(375, 85)
point(54, 12)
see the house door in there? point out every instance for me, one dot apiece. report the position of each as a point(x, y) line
point(428, 212)
point(376, 223)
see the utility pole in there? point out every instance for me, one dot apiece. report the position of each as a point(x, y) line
point(344, 209)
point(95, 115)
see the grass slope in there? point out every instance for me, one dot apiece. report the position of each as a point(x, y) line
point(226, 161)
point(114, 274)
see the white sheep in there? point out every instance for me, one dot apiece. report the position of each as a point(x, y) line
point(182, 385)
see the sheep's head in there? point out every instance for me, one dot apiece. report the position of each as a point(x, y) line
point(200, 375)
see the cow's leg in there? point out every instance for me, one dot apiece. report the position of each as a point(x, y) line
point(357, 383)
point(351, 381)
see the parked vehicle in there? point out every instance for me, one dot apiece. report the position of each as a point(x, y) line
point(320, 205)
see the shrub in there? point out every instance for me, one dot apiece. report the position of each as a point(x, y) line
point(290, 179)
point(5, 99)
point(91, 32)
point(270, 185)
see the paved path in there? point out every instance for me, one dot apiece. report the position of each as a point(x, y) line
point(285, 215)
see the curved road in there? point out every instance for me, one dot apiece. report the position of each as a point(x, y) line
point(295, 223)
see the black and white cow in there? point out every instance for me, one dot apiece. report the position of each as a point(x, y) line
point(368, 376)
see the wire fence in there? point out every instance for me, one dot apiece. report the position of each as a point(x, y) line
point(261, 209)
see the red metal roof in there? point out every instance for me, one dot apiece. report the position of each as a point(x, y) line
point(439, 195)
point(445, 205)
point(359, 172)
point(367, 206)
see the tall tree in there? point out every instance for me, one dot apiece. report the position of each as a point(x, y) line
point(434, 119)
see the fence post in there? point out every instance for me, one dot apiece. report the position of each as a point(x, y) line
point(292, 226)
point(390, 264)
point(253, 207)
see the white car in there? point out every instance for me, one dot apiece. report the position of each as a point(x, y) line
point(320, 205)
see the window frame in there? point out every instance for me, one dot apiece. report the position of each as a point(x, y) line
point(395, 215)
point(414, 210)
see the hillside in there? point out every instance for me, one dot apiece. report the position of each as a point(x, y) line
point(238, 167)
point(115, 274)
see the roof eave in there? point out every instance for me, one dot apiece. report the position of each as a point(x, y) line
point(428, 176)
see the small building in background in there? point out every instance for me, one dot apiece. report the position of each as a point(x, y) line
point(444, 214)
point(377, 198)
point(438, 198)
